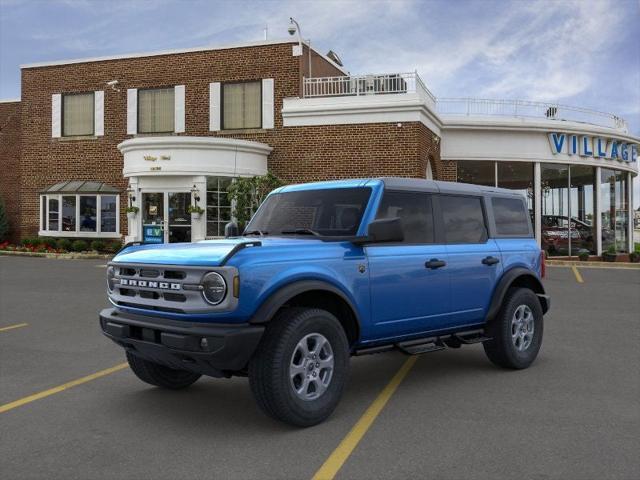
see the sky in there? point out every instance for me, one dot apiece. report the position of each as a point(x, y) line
point(584, 53)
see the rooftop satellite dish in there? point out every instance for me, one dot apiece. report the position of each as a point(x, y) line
point(333, 56)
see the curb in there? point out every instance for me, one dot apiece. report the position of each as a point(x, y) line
point(613, 265)
point(59, 256)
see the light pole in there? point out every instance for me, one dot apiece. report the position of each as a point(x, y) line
point(294, 27)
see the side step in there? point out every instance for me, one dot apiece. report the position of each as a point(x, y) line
point(429, 344)
point(417, 347)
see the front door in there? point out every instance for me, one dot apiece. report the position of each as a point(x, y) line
point(165, 218)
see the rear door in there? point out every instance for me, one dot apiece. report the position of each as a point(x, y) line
point(474, 258)
point(407, 295)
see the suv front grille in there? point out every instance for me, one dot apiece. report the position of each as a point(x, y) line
point(166, 287)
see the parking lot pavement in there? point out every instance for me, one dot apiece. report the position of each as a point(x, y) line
point(573, 414)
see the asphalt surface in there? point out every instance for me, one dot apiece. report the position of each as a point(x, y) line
point(575, 414)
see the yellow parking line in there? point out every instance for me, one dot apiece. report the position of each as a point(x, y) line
point(37, 396)
point(334, 463)
point(577, 274)
point(11, 327)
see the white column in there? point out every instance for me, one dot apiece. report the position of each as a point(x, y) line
point(598, 213)
point(134, 230)
point(630, 211)
point(537, 203)
point(199, 226)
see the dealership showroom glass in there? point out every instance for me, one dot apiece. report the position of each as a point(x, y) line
point(91, 139)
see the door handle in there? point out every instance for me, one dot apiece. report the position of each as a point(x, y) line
point(435, 263)
point(490, 261)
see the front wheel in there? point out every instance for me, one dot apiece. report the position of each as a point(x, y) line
point(516, 332)
point(299, 371)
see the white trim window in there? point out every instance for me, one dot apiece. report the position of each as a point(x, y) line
point(77, 114)
point(156, 110)
point(80, 215)
point(242, 105)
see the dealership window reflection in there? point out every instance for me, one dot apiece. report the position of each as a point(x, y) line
point(218, 205)
point(614, 210)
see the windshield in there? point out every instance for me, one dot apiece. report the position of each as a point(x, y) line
point(326, 212)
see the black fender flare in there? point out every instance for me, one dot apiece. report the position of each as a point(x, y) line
point(508, 278)
point(277, 299)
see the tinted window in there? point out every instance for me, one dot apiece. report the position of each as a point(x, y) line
point(510, 216)
point(414, 211)
point(328, 212)
point(463, 219)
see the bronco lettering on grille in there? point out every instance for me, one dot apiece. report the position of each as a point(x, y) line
point(147, 284)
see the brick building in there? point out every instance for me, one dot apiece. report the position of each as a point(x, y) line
point(163, 130)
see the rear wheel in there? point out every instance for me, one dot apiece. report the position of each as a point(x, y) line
point(516, 332)
point(159, 375)
point(299, 371)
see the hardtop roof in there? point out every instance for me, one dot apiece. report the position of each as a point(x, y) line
point(401, 183)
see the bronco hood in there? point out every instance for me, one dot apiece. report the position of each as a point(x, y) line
point(205, 253)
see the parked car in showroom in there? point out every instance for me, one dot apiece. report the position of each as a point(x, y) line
point(325, 271)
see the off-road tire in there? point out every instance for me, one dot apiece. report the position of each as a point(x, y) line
point(501, 349)
point(159, 375)
point(269, 374)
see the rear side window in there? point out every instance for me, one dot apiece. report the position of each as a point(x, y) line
point(463, 219)
point(510, 216)
point(414, 211)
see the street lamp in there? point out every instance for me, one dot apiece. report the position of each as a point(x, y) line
point(294, 27)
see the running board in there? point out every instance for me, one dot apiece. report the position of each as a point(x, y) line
point(419, 346)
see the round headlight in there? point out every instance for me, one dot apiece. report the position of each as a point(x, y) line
point(214, 288)
point(111, 274)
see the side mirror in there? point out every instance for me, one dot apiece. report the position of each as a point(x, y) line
point(383, 230)
point(231, 230)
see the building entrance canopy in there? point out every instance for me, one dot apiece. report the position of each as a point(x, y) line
point(167, 174)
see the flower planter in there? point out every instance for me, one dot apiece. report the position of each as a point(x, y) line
point(195, 216)
point(131, 216)
point(610, 257)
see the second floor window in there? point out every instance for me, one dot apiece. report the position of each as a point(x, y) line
point(156, 110)
point(241, 105)
point(77, 114)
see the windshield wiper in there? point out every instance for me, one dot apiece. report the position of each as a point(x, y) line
point(301, 231)
point(256, 232)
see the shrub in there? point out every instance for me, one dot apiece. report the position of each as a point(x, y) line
point(247, 193)
point(79, 246)
point(64, 244)
point(583, 255)
point(112, 247)
point(47, 242)
point(97, 245)
point(4, 222)
point(29, 242)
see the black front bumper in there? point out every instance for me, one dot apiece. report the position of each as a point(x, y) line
point(210, 349)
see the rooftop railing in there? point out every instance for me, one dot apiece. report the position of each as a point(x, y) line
point(528, 109)
point(401, 83)
point(357, 85)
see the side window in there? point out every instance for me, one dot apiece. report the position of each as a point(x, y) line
point(415, 212)
point(510, 216)
point(463, 219)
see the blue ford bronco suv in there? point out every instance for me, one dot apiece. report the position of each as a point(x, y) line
point(328, 270)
